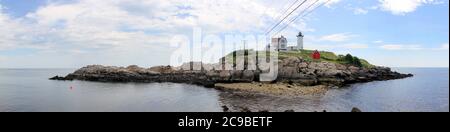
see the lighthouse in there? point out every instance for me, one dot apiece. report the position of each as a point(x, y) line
point(300, 41)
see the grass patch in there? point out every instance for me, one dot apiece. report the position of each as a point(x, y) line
point(325, 56)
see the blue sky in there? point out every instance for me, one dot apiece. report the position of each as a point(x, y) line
point(425, 28)
point(74, 33)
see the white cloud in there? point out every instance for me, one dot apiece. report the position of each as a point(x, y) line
point(355, 46)
point(9, 29)
point(109, 19)
point(331, 3)
point(378, 41)
point(2, 58)
point(402, 7)
point(360, 11)
point(115, 23)
point(126, 29)
point(347, 46)
point(443, 47)
point(401, 47)
point(339, 37)
point(125, 23)
point(337, 42)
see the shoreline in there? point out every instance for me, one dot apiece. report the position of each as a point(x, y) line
point(295, 76)
point(276, 89)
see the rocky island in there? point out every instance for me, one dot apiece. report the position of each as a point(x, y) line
point(298, 74)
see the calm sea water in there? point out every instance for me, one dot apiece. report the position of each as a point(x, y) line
point(30, 90)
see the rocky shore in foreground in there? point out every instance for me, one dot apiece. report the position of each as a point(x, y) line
point(293, 70)
point(276, 89)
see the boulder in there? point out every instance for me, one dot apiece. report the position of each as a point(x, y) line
point(356, 110)
point(291, 62)
point(57, 78)
point(289, 111)
point(248, 76)
point(225, 75)
point(287, 72)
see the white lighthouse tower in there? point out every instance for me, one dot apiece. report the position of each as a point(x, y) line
point(300, 41)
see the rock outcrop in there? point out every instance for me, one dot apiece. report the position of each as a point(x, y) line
point(297, 70)
point(291, 70)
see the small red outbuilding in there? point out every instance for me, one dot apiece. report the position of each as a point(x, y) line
point(316, 55)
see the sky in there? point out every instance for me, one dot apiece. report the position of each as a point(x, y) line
point(75, 33)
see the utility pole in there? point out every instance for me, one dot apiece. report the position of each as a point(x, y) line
point(245, 44)
point(245, 55)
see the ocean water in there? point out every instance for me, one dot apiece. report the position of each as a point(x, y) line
point(427, 91)
point(23, 90)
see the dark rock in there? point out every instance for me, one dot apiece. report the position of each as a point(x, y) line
point(57, 78)
point(289, 111)
point(356, 110)
point(292, 70)
point(225, 108)
point(245, 110)
point(264, 111)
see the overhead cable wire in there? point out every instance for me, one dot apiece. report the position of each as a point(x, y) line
point(301, 16)
point(286, 17)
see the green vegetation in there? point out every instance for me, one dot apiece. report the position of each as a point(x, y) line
point(307, 55)
point(327, 57)
point(350, 60)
